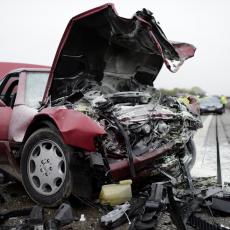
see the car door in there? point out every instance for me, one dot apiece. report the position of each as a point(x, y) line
point(8, 89)
point(31, 90)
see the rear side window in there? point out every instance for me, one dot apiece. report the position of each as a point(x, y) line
point(35, 88)
point(5, 83)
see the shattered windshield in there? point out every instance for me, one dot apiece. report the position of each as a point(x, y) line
point(35, 88)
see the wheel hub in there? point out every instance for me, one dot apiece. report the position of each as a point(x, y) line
point(46, 167)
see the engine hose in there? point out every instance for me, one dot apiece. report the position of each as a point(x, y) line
point(128, 147)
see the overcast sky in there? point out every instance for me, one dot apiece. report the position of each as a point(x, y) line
point(31, 31)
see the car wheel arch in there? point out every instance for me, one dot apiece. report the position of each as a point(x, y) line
point(43, 121)
point(76, 129)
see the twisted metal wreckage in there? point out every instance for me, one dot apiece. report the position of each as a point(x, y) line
point(105, 67)
point(118, 125)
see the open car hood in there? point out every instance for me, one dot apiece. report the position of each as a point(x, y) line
point(99, 43)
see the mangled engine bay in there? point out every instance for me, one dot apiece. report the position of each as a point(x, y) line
point(106, 69)
point(148, 122)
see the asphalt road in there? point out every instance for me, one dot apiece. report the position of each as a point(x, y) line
point(205, 140)
point(205, 166)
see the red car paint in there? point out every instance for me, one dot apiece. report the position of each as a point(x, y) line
point(5, 121)
point(183, 50)
point(120, 169)
point(76, 128)
point(6, 67)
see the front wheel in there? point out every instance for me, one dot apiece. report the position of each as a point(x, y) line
point(45, 168)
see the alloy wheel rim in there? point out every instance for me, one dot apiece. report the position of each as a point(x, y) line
point(46, 167)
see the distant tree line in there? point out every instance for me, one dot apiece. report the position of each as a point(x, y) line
point(196, 91)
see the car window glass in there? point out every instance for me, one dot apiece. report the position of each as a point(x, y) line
point(8, 89)
point(35, 88)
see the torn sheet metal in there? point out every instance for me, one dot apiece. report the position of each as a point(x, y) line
point(99, 45)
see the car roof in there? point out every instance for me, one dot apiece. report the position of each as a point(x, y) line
point(29, 70)
point(10, 67)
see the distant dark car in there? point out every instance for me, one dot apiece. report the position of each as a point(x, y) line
point(211, 105)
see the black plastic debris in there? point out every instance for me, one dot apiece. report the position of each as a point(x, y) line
point(2, 194)
point(144, 212)
point(220, 205)
point(36, 217)
point(35, 220)
point(63, 216)
point(201, 224)
point(174, 210)
point(2, 178)
point(14, 213)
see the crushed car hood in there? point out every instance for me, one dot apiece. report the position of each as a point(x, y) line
point(99, 43)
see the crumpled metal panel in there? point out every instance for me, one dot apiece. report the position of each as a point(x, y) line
point(76, 128)
point(99, 42)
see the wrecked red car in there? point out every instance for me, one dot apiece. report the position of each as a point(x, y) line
point(95, 117)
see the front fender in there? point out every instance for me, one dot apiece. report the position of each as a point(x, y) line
point(76, 128)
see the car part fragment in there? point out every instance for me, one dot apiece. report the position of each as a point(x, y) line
point(183, 205)
point(35, 218)
point(200, 224)
point(111, 217)
point(115, 194)
point(150, 214)
point(14, 213)
point(2, 178)
point(63, 216)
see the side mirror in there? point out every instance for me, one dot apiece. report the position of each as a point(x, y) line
point(2, 104)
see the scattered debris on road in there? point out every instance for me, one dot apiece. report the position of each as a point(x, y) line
point(34, 218)
point(177, 205)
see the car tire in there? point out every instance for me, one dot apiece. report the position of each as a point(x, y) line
point(45, 168)
point(220, 112)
